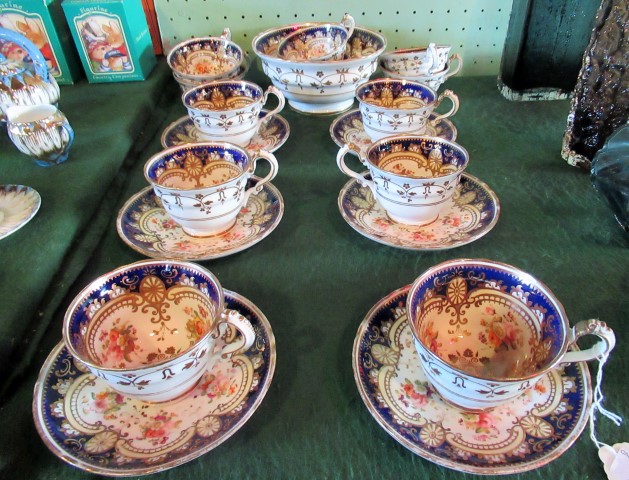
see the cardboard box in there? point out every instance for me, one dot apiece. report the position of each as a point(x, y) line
point(44, 24)
point(112, 37)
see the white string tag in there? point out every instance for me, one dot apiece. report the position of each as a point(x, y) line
point(615, 458)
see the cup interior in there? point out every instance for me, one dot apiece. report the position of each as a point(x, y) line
point(314, 43)
point(395, 94)
point(195, 166)
point(487, 321)
point(142, 315)
point(417, 157)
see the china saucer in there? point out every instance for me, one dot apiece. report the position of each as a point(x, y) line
point(471, 213)
point(527, 433)
point(146, 227)
point(94, 428)
point(270, 137)
point(348, 128)
point(18, 204)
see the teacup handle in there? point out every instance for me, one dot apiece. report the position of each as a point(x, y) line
point(459, 65)
point(257, 188)
point(340, 161)
point(453, 97)
point(590, 327)
point(238, 321)
point(227, 34)
point(280, 106)
point(349, 23)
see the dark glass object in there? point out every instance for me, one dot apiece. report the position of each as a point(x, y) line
point(610, 174)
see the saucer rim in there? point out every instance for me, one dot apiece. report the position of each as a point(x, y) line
point(423, 248)
point(354, 111)
point(268, 186)
point(460, 466)
point(49, 440)
point(184, 119)
point(30, 212)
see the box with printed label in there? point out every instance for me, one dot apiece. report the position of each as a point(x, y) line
point(44, 24)
point(112, 37)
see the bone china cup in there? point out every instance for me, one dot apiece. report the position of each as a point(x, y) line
point(399, 107)
point(412, 177)
point(229, 111)
point(203, 186)
point(486, 332)
point(148, 329)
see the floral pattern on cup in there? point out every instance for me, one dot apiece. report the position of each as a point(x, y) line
point(205, 57)
point(486, 331)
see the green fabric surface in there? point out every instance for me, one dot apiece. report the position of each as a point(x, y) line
point(41, 260)
point(315, 279)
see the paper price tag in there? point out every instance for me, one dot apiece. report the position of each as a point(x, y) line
point(615, 461)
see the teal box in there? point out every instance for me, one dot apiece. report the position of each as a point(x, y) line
point(44, 24)
point(113, 39)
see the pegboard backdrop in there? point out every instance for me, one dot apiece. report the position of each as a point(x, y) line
point(476, 29)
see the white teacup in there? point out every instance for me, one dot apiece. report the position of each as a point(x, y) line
point(148, 329)
point(432, 80)
point(203, 186)
point(229, 110)
point(399, 107)
point(486, 331)
point(412, 177)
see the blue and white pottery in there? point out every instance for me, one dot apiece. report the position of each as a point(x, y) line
point(205, 58)
point(148, 329)
point(412, 177)
point(522, 435)
point(229, 110)
point(321, 86)
point(400, 107)
point(432, 80)
point(203, 186)
point(486, 332)
point(72, 408)
point(40, 131)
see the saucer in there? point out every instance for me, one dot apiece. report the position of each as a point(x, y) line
point(348, 128)
point(146, 227)
point(18, 204)
point(522, 435)
point(94, 428)
point(270, 137)
point(471, 213)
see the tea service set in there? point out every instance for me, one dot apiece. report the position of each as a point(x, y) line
point(470, 341)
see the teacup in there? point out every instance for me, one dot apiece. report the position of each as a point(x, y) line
point(399, 107)
point(203, 186)
point(229, 110)
point(148, 329)
point(205, 58)
point(412, 177)
point(412, 61)
point(486, 331)
point(432, 80)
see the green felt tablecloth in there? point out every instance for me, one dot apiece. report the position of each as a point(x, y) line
point(315, 279)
